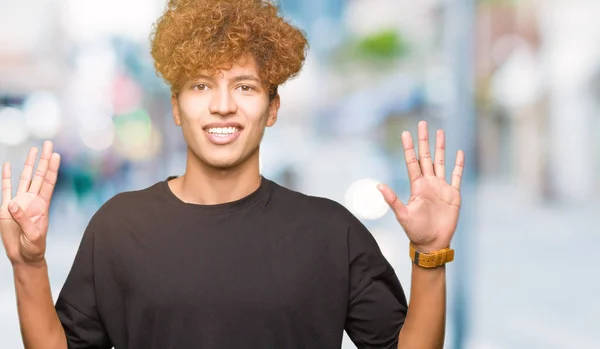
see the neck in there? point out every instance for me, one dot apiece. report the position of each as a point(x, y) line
point(205, 185)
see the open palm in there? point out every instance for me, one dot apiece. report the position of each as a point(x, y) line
point(431, 214)
point(24, 229)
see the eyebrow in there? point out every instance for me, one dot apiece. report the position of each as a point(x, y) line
point(245, 77)
point(237, 78)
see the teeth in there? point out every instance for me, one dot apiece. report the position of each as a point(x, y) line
point(223, 130)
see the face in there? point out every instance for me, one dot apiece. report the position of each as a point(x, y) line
point(223, 116)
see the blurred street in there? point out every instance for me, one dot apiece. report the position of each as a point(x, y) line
point(537, 285)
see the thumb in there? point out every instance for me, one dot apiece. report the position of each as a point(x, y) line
point(394, 201)
point(21, 218)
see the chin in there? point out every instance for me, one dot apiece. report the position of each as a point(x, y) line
point(224, 161)
point(223, 164)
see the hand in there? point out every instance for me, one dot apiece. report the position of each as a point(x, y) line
point(431, 216)
point(24, 219)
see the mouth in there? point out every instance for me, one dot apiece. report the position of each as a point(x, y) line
point(221, 134)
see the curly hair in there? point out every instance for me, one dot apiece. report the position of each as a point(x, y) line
point(196, 35)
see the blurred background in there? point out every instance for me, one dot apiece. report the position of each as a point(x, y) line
point(515, 83)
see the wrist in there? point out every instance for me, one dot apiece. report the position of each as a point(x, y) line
point(31, 265)
point(430, 247)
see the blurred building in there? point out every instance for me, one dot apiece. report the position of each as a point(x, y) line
point(538, 105)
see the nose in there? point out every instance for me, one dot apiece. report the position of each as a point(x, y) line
point(222, 103)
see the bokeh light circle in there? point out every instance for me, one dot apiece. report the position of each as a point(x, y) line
point(365, 201)
point(13, 128)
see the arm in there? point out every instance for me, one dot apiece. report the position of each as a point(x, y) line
point(23, 227)
point(429, 219)
point(425, 322)
point(40, 326)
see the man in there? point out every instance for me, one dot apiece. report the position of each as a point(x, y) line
point(222, 257)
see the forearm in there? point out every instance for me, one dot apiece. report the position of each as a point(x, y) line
point(425, 322)
point(40, 325)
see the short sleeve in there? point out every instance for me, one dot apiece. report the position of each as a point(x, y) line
point(377, 303)
point(76, 304)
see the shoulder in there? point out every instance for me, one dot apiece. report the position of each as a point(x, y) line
point(127, 204)
point(329, 218)
point(312, 207)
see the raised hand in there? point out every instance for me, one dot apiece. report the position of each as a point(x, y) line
point(24, 218)
point(431, 215)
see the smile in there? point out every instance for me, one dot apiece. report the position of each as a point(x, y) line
point(222, 134)
point(223, 131)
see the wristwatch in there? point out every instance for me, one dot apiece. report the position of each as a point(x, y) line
point(432, 259)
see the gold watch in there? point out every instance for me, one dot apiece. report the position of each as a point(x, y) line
point(432, 259)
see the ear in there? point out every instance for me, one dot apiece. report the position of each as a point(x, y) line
point(273, 110)
point(175, 105)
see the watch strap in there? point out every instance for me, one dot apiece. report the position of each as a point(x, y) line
point(432, 259)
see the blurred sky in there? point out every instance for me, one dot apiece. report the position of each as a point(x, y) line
point(79, 72)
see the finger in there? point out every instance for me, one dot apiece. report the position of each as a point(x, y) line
point(424, 152)
point(458, 169)
point(412, 165)
point(40, 172)
point(395, 203)
point(50, 178)
point(21, 218)
point(6, 184)
point(25, 179)
point(439, 161)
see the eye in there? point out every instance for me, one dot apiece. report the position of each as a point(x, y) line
point(199, 87)
point(246, 88)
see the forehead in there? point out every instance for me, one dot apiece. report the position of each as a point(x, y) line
point(245, 66)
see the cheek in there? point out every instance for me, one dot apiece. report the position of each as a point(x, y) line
point(255, 111)
point(191, 112)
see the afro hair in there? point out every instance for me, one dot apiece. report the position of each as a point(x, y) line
point(209, 35)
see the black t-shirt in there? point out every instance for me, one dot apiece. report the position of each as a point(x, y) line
point(275, 269)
